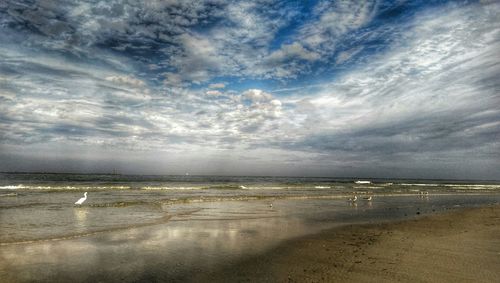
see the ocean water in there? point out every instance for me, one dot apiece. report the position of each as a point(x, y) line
point(48, 181)
point(149, 228)
point(41, 206)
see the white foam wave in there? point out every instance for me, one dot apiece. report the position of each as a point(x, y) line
point(12, 187)
point(456, 186)
point(35, 187)
point(169, 188)
point(419, 185)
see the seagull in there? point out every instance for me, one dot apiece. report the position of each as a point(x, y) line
point(81, 200)
point(354, 199)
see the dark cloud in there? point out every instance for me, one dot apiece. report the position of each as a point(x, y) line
point(425, 135)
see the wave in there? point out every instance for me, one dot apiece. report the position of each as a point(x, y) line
point(159, 187)
point(420, 185)
point(235, 187)
point(13, 187)
point(472, 186)
point(61, 187)
point(456, 186)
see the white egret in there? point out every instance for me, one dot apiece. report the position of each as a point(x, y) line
point(81, 200)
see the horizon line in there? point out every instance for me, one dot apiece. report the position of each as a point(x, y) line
point(272, 176)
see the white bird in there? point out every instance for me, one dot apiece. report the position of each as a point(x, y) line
point(368, 198)
point(81, 200)
point(271, 205)
point(355, 198)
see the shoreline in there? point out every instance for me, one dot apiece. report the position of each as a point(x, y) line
point(455, 246)
point(400, 239)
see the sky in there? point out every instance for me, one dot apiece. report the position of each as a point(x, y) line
point(395, 89)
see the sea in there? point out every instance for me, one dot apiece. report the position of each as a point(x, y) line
point(183, 223)
point(36, 205)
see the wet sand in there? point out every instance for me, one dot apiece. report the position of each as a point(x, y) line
point(457, 246)
point(407, 238)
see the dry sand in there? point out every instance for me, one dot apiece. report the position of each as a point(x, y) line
point(457, 246)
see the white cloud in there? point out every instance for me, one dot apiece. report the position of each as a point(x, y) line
point(128, 80)
point(421, 95)
point(237, 46)
point(213, 92)
point(348, 54)
point(217, 85)
point(257, 96)
point(334, 20)
point(292, 51)
point(173, 79)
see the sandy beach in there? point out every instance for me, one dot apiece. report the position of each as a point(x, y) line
point(455, 246)
point(409, 238)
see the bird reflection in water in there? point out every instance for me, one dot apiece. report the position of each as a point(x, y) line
point(80, 215)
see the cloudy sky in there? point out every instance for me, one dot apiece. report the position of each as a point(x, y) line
point(307, 88)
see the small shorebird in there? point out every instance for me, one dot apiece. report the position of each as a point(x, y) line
point(355, 198)
point(423, 194)
point(271, 205)
point(81, 200)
